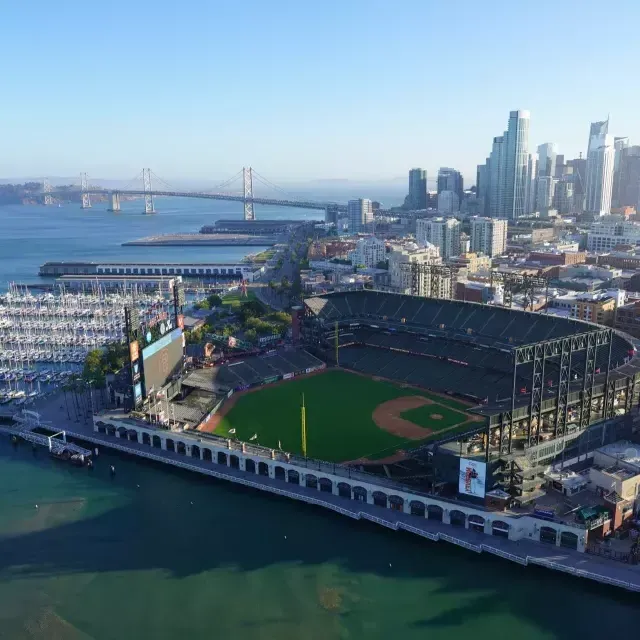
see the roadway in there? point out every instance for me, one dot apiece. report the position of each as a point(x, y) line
point(298, 204)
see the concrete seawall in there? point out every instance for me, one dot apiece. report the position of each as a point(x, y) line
point(523, 552)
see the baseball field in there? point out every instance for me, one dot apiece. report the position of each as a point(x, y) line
point(349, 417)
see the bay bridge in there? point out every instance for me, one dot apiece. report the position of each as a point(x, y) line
point(141, 186)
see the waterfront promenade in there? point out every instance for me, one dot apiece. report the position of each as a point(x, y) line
point(522, 552)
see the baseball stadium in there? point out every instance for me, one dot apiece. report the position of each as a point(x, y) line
point(412, 387)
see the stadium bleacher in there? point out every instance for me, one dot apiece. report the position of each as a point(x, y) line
point(449, 345)
point(252, 370)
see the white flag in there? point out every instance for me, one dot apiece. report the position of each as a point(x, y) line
point(279, 444)
point(232, 430)
point(254, 437)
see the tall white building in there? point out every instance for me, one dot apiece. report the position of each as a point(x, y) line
point(368, 252)
point(600, 163)
point(359, 214)
point(489, 236)
point(443, 233)
point(400, 260)
point(508, 169)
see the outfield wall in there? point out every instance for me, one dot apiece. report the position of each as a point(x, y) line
point(265, 382)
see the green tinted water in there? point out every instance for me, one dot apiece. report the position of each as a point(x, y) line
point(156, 553)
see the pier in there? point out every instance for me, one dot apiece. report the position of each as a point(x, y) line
point(203, 240)
point(522, 551)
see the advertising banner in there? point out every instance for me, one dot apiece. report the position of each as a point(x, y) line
point(271, 379)
point(309, 370)
point(287, 376)
point(473, 477)
point(134, 351)
point(137, 393)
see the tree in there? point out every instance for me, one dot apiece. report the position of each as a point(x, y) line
point(94, 367)
point(251, 309)
point(203, 304)
point(282, 317)
point(251, 335)
point(214, 300)
point(284, 283)
point(383, 264)
point(115, 356)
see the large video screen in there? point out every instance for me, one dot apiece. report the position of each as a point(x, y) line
point(162, 359)
point(473, 477)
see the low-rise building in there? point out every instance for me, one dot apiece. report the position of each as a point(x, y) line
point(555, 257)
point(628, 318)
point(612, 231)
point(593, 307)
point(472, 262)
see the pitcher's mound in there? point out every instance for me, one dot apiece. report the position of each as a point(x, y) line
point(436, 416)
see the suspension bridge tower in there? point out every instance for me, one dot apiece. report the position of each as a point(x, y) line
point(84, 188)
point(247, 183)
point(148, 193)
point(47, 188)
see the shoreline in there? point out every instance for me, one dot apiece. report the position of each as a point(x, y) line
point(523, 552)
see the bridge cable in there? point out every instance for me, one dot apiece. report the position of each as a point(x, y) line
point(225, 183)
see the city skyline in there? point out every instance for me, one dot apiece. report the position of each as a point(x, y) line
point(272, 88)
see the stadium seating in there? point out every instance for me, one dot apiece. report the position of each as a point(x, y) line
point(449, 345)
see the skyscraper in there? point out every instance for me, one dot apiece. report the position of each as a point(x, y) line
point(597, 129)
point(451, 180)
point(599, 185)
point(360, 214)
point(417, 189)
point(496, 173)
point(629, 178)
point(482, 188)
point(532, 184)
point(508, 169)
point(547, 154)
point(620, 144)
point(448, 202)
point(578, 168)
point(516, 161)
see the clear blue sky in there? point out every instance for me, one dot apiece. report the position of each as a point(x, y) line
point(304, 89)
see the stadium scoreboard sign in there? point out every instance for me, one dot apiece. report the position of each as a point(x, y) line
point(161, 325)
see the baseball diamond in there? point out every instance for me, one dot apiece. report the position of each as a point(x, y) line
point(349, 416)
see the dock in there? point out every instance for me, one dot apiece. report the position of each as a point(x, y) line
point(204, 240)
point(56, 447)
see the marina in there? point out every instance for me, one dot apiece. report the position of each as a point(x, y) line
point(44, 338)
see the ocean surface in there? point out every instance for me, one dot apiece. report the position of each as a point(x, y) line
point(158, 553)
point(32, 235)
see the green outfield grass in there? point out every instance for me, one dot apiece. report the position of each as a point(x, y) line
point(339, 405)
point(234, 299)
